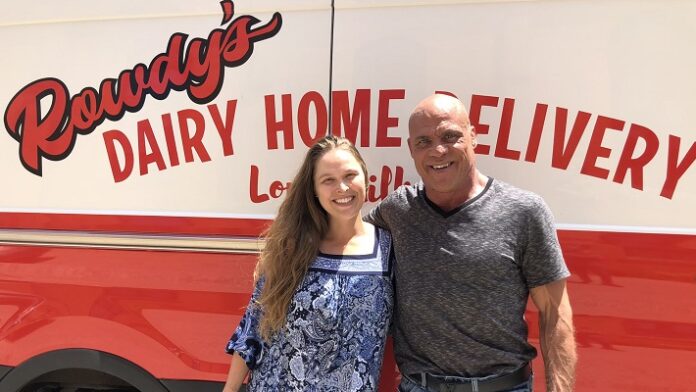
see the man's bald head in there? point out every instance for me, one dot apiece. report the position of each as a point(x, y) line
point(439, 106)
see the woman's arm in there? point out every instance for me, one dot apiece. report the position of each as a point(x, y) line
point(237, 374)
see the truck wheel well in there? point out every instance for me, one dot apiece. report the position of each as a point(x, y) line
point(83, 366)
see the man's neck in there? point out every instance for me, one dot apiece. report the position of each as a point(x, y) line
point(448, 201)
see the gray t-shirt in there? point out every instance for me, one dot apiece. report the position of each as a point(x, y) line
point(463, 277)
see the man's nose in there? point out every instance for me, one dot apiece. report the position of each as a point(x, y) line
point(439, 149)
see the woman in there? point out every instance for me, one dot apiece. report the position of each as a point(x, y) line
point(319, 314)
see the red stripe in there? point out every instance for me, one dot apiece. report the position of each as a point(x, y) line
point(649, 256)
point(134, 224)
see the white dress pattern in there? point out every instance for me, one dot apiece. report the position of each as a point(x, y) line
point(335, 331)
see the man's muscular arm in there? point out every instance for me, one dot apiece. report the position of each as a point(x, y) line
point(557, 335)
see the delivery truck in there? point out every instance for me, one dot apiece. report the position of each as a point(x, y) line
point(148, 144)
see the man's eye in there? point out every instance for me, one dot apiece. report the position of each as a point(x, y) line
point(451, 138)
point(422, 143)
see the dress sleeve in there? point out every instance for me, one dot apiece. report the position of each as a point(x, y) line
point(246, 340)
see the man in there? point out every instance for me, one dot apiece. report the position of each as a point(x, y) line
point(470, 250)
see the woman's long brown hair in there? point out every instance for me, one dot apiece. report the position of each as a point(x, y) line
point(293, 239)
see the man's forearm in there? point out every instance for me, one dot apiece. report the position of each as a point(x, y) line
point(556, 335)
point(558, 350)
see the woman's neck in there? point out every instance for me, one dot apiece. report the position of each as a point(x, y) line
point(345, 229)
point(348, 237)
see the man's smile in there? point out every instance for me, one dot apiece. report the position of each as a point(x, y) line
point(440, 166)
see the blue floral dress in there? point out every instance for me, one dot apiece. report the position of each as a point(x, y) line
point(335, 331)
